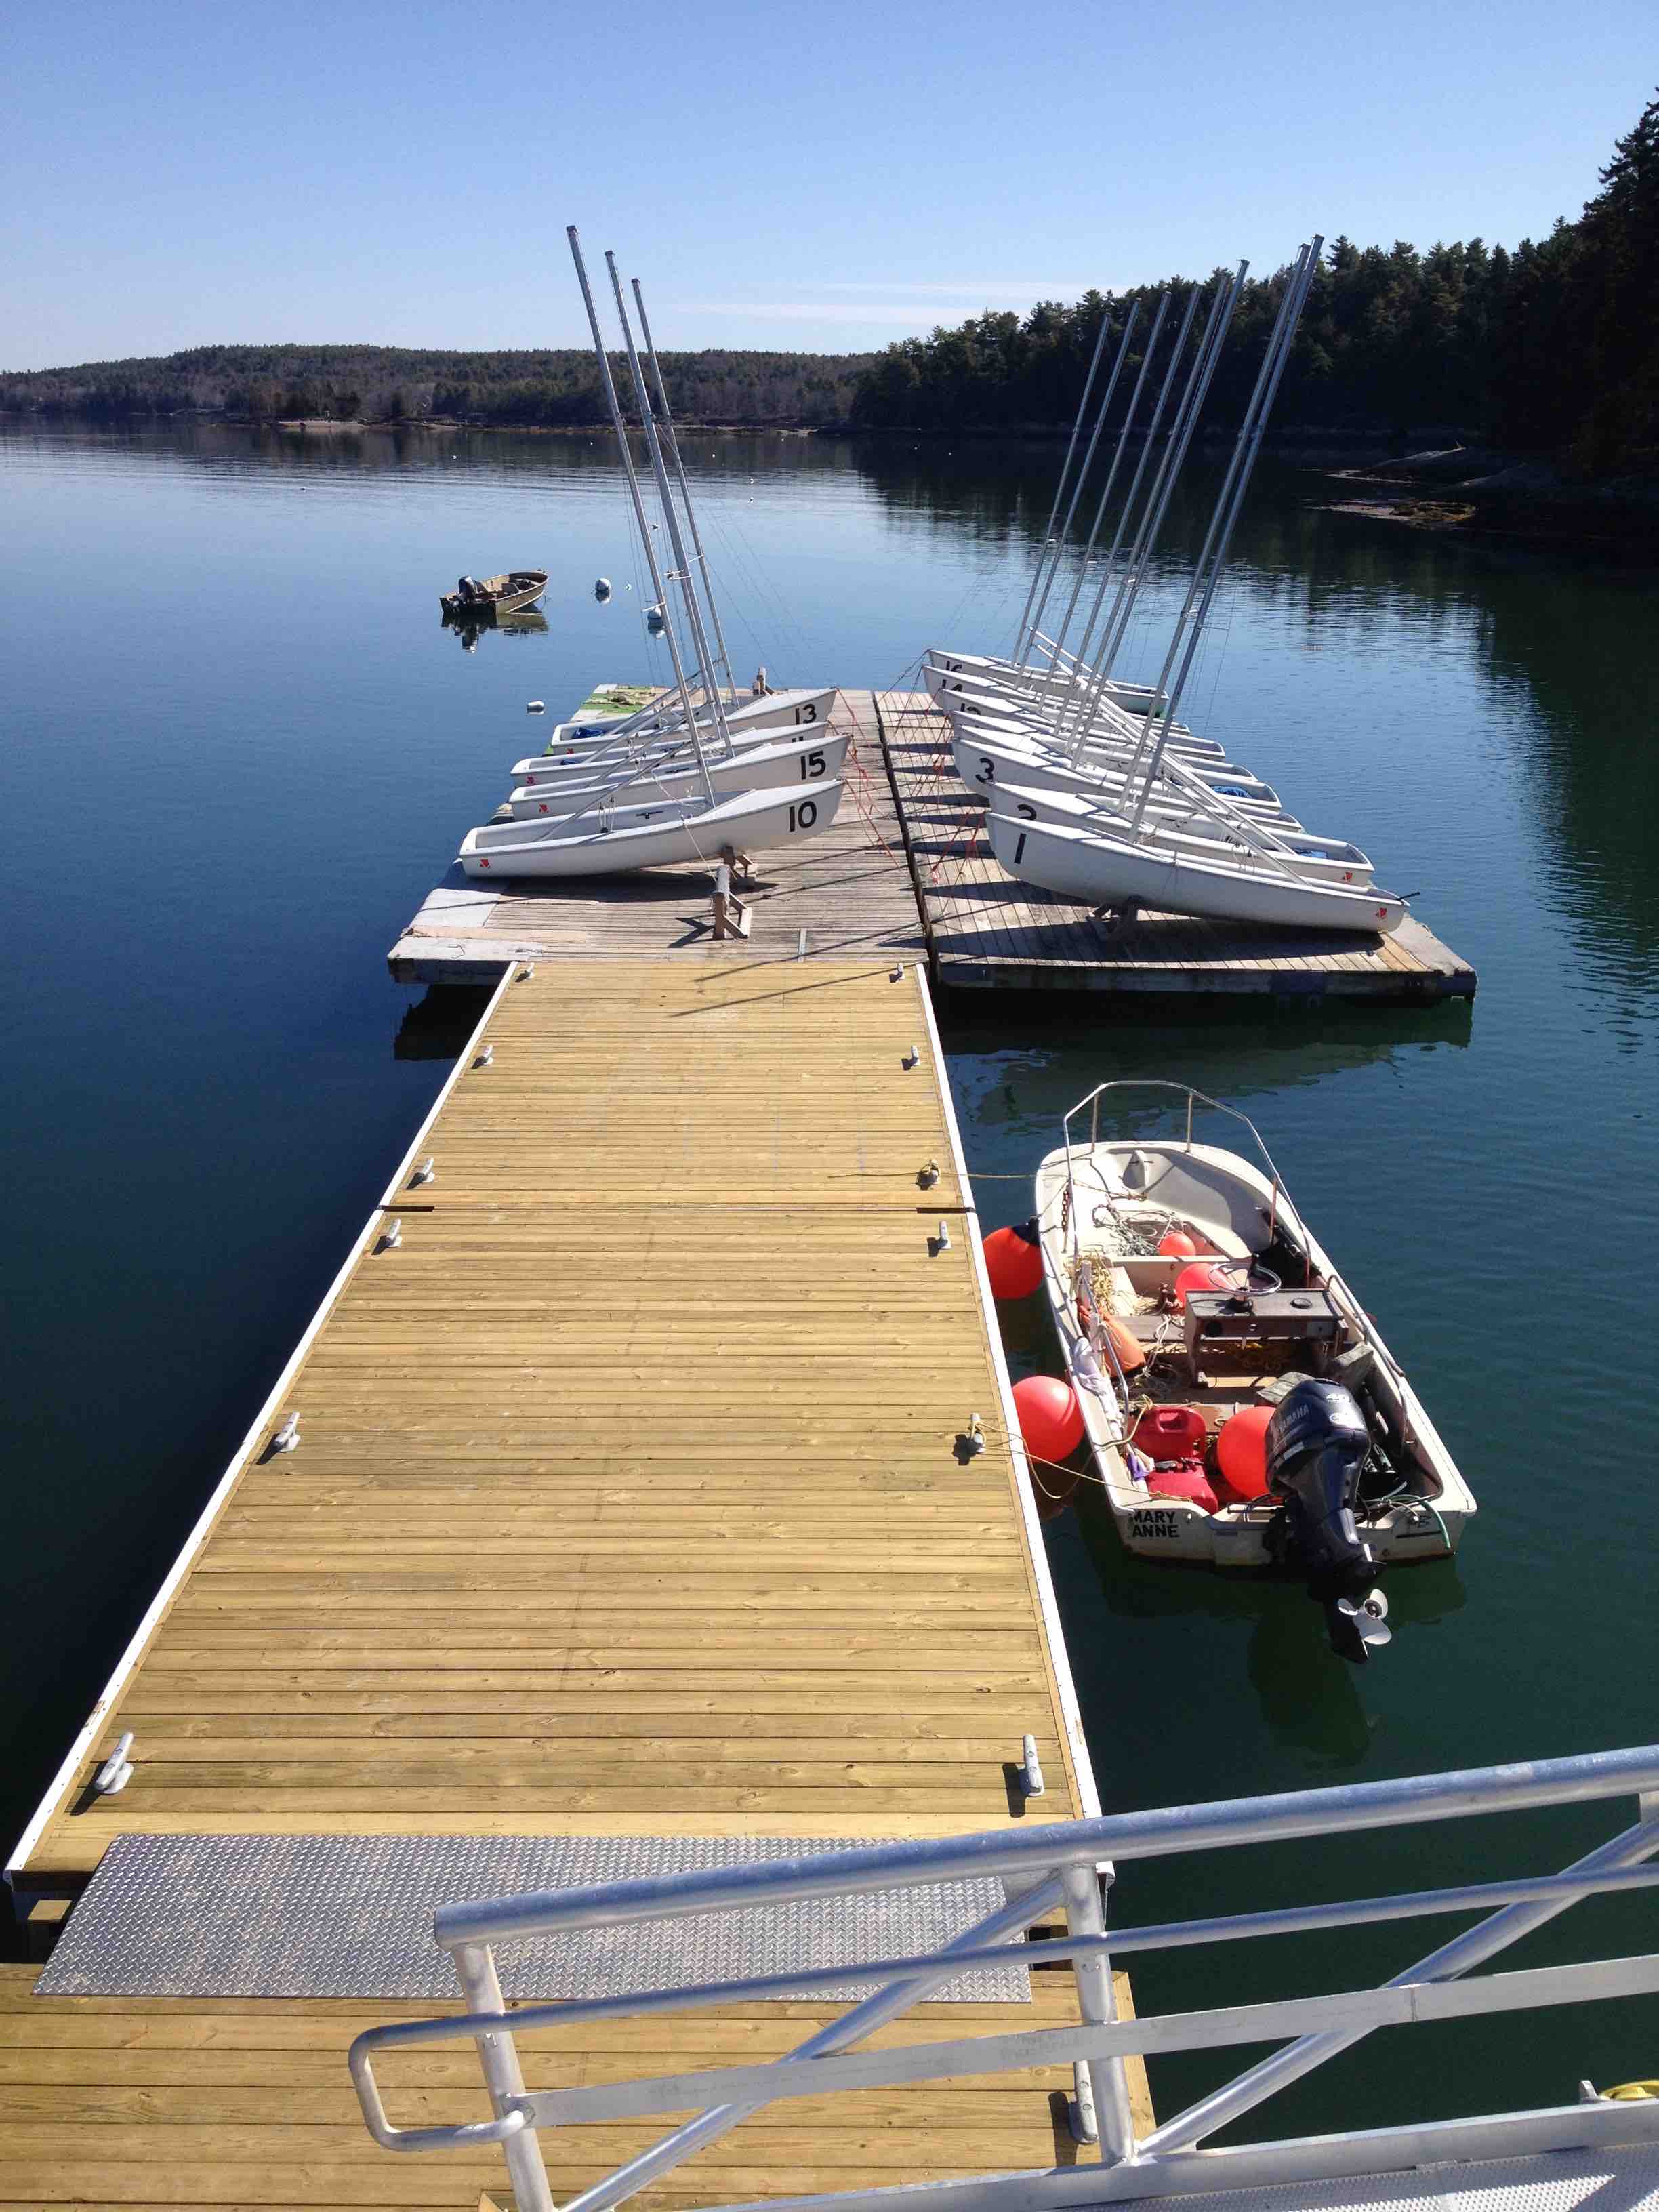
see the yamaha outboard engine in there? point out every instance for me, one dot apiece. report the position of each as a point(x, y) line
point(1317, 1441)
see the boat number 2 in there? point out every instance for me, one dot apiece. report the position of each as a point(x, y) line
point(987, 770)
point(803, 816)
point(811, 766)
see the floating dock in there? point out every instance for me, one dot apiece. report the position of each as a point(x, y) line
point(629, 1506)
point(906, 866)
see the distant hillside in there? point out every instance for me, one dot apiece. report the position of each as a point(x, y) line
point(381, 384)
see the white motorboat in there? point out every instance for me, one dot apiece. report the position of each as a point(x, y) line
point(612, 839)
point(1127, 868)
point(1189, 1295)
point(794, 764)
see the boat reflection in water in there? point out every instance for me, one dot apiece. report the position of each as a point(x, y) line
point(471, 627)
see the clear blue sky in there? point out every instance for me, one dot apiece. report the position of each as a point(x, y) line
point(829, 177)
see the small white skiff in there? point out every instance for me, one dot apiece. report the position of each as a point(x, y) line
point(1125, 1225)
point(611, 839)
point(1084, 861)
point(793, 764)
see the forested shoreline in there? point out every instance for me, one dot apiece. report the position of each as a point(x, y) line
point(1549, 349)
point(558, 389)
point(1552, 348)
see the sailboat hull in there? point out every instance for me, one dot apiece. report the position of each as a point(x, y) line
point(616, 840)
point(792, 765)
point(1098, 870)
point(983, 761)
point(577, 742)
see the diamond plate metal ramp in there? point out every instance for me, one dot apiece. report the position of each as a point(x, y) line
point(351, 1916)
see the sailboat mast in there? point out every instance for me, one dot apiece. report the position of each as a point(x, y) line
point(1228, 506)
point(1077, 492)
point(683, 574)
point(1203, 370)
point(1027, 622)
point(1080, 700)
point(665, 418)
point(1078, 673)
point(615, 404)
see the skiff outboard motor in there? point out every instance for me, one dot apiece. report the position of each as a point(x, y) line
point(1317, 1441)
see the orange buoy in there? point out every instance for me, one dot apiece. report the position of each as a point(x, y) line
point(1050, 1416)
point(1205, 1275)
point(1241, 1451)
point(1176, 1245)
point(1013, 1260)
point(1125, 1343)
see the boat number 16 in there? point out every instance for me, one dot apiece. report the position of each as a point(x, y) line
point(803, 816)
point(812, 765)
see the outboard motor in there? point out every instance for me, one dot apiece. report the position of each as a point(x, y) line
point(1316, 1443)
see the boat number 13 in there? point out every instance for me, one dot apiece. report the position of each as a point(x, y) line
point(811, 766)
point(805, 815)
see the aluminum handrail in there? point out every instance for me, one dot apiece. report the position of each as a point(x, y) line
point(1055, 1862)
point(1164, 1833)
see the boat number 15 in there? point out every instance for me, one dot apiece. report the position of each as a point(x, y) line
point(811, 766)
point(803, 816)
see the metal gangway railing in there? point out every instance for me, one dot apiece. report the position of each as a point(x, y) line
point(1067, 1866)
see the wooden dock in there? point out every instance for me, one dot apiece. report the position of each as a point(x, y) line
point(985, 930)
point(628, 1499)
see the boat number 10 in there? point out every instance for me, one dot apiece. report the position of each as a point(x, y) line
point(812, 765)
point(803, 815)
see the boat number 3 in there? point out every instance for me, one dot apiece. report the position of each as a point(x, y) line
point(812, 765)
point(988, 770)
point(808, 713)
point(803, 816)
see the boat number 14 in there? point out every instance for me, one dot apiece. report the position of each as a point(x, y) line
point(812, 765)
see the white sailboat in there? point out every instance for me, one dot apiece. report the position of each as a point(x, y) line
point(612, 839)
point(789, 763)
point(759, 721)
point(657, 806)
point(1126, 848)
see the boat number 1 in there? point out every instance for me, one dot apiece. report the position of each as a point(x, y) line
point(1019, 849)
point(811, 766)
point(803, 816)
point(987, 770)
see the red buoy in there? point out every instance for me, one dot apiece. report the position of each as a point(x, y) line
point(1050, 1416)
point(1207, 1275)
point(1241, 1451)
point(1013, 1260)
point(1176, 1245)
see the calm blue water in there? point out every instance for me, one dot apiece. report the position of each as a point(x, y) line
point(240, 750)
